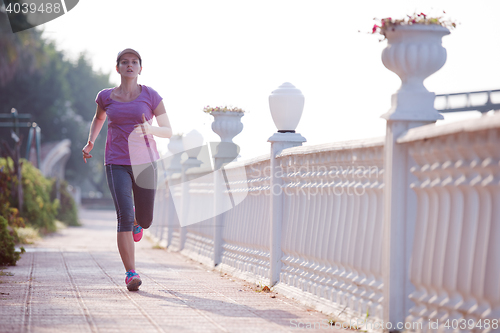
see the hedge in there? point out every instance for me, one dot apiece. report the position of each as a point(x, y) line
point(40, 208)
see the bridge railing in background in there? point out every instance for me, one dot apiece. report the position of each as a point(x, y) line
point(482, 101)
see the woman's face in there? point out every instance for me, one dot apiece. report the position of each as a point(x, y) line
point(129, 65)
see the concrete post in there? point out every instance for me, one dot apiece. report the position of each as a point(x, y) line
point(400, 204)
point(226, 153)
point(191, 162)
point(412, 106)
point(227, 125)
point(279, 141)
point(175, 147)
point(192, 144)
point(219, 187)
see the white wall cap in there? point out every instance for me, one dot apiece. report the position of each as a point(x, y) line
point(250, 161)
point(345, 145)
point(469, 125)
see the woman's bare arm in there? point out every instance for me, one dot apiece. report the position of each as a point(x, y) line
point(95, 128)
point(163, 130)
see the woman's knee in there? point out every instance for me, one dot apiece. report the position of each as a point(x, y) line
point(144, 223)
point(125, 224)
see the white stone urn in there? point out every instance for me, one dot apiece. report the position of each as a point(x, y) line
point(192, 143)
point(227, 124)
point(414, 52)
point(175, 147)
point(286, 104)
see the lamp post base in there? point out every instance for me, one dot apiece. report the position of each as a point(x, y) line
point(279, 141)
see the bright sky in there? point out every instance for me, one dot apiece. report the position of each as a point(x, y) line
point(211, 52)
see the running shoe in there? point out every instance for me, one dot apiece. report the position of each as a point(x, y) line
point(133, 280)
point(137, 233)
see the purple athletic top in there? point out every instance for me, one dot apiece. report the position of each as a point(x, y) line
point(123, 145)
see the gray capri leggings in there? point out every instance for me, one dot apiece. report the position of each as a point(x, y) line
point(122, 184)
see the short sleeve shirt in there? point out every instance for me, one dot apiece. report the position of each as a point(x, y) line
point(123, 145)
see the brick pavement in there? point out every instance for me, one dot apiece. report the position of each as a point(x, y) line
point(73, 281)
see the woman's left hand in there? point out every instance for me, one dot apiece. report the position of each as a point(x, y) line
point(163, 130)
point(144, 128)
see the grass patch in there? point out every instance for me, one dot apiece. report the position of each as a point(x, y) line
point(344, 325)
point(60, 225)
point(157, 246)
point(30, 235)
point(27, 235)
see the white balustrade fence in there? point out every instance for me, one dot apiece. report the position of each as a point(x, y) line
point(455, 264)
point(332, 233)
point(399, 233)
point(332, 230)
point(246, 227)
point(166, 228)
point(199, 237)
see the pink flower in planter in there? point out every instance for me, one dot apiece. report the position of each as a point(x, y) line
point(388, 23)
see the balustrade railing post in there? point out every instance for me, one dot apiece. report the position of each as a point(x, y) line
point(286, 104)
point(192, 143)
point(412, 106)
point(227, 124)
point(175, 147)
point(219, 217)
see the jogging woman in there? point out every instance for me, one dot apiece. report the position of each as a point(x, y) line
point(131, 154)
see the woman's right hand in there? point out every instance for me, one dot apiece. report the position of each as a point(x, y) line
point(86, 150)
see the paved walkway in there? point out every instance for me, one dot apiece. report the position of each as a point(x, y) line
point(73, 281)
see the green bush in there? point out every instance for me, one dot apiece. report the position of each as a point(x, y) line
point(11, 214)
point(8, 253)
point(39, 210)
point(68, 211)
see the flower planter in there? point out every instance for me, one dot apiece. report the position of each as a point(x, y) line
point(192, 143)
point(175, 147)
point(227, 124)
point(175, 144)
point(414, 52)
